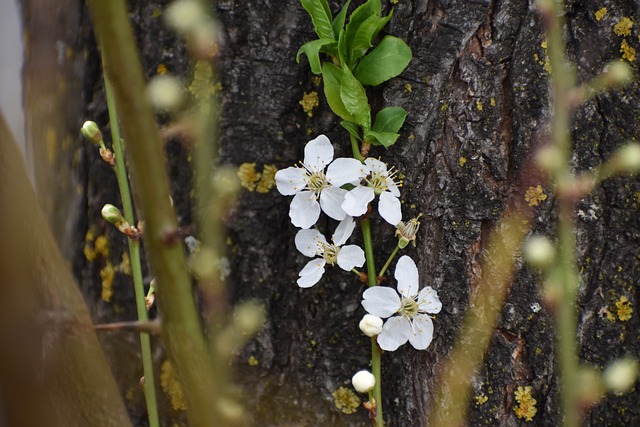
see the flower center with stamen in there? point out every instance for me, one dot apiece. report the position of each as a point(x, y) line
point(378, 180)
point(408, 308)
point(330, 253)
point(316, 181)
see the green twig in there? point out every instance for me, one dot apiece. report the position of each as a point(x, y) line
point(355, 148)
point(391, 257)
point(376, 353)
point(134, 258)
point(181, 329)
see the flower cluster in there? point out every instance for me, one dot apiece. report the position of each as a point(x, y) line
point(343, 188)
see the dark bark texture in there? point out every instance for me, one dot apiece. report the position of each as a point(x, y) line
point(477, 92)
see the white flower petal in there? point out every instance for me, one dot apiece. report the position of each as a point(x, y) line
point(389, 208)
point(349, 257)
point(343, 231)
point(356, 201)
point(428, 301)
point(331, 199)
point(422, 332)
point(395, 332)
point(318, 153)
point(393, 187)
point(309, 242)
point(311, 273)
point(407, 276)
point(304, 210)
point(376, 165)
point(346, 171)
point(381, 301)
point(290, 181)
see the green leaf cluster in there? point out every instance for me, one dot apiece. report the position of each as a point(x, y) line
point(354, 63)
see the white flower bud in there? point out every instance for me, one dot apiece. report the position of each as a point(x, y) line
point(628, 158)
point(363, 381)
point(620, 376)
point(185, 15)
point(91, 131)
point(539, 251)
point(112, 214)
point(165, 92)
point(371, 325)
point(619, 73)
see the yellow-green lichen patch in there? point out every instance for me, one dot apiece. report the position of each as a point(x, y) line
point(462, 161)
point(268, 179)
point(624, 310)
point(316, 80)
point(600, 13)
point(526, 407)
point(408, 88)
point(479, 105)
point(628, 52)
point(161, 69)
point(248, 175)
point(623, 27)
point(253, 361)
point(345, 400)
point(492, 102)
point(309, 102)
point(172, 387)
point(534, 195)
point(480, 399)
point(107, 274)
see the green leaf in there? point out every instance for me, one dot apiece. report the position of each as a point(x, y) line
point(386, 139)
point(363, 38)
point(320, 16)
point(352, 128)
point(312, 49)
point(389, 119)
point(355, 99)
point(361, 14)
point(331, 77)
point(338, 22)
point(385, 61)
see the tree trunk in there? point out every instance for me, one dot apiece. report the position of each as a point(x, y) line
point(477, 93)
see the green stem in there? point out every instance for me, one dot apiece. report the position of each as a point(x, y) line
point(355, 148)
point(376, 353)
point(391, 257)
point(134, 257)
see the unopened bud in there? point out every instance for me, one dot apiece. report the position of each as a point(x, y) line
point(165, 92)
point(620, 375)
point(539, 251)
point(112, 214)
point(249, 317)
point(618, 73)
point(371, 325)
point(185, 16)
point(363, 381)
point(549, 159)
point(627, 159)
point(91, 131)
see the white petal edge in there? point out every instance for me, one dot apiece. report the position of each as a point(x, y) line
point(422, 332)
point(376, 165)
point(395, 332)
point(331, 199)
point(350, 257)
point(381, 301)
point(308, 242)
point(318, 153)
point(311, 273)
point(304, 210)
point(343, 231)
point(428, 301)
point(290, 181)
point(346, 171)
point(407, 276)
point(390, 208)
point(356, 201)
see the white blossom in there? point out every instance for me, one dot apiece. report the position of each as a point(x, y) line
point(411, 323)
point(312, 243)
point(308, 183)
point(376, 180)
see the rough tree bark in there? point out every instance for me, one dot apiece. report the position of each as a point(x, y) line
point(477, 95)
